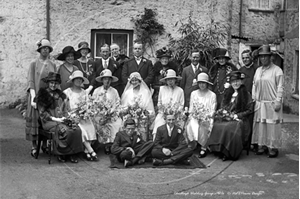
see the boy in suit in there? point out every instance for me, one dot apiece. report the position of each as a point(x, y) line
point(170, 146)
point(129, 147)
point(138, 64)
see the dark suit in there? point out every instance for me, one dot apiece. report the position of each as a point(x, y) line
point(123, 140)
point(188, 75)
point(176, 143)
point(119, 85)
point(98, 68)
point(145, 68)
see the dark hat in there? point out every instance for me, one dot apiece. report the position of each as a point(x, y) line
point(52, 77)
point(234, 75)
point(44, 43)
point(164, 52)
point(220, 52)
point(66, 51)
point(264, 50)
point(129, 122)
point(83, 45)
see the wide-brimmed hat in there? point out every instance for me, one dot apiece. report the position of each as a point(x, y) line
point(52, 76)
point(171, 74)
point(44, 43)
point(234, 75)
point(83, 45)
point(203, 77)
point(135, 75)
point(78, 74)
point(106, 73)
point(264, 50)
point(221, 52)
point(66, 51)
point(164, 52)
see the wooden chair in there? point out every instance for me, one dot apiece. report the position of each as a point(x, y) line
point(47, 136)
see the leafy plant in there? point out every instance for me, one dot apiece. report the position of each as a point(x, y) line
point(147, 28)
point(196, 37)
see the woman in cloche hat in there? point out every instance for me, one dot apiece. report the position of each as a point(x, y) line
point(160, 68)
point(267, 92)
point(169, 93)
point(228, 138)
point(110, 95)
point(68, 56)
point(75, 94)
point(38, 69)
point(51, 102)
point(218, 72)
point(198, 132)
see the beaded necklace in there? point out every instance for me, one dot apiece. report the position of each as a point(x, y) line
point(86, 71)
point(228, 70)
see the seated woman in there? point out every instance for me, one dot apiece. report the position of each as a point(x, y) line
point(76, 94)
point(169, 95)
point(109, 95)
point(228, 137)
point(137, 93)
point(52, 108)
point(160, 70)
point(199, 131)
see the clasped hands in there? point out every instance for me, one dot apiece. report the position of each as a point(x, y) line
point(167, 152)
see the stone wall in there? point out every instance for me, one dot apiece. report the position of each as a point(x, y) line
point(72, 20)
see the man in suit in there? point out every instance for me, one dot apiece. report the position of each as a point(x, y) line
point(105, 62)
point(129, 147)
point(119, 60)
point(189, 77)
point(170, 146)
point(138, 64)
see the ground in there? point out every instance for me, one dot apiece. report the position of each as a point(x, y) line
point(250, 177)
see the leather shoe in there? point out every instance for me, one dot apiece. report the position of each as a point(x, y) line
point(202, 153)
point(73, 159)
point(127, 163)
point(157, 162)
point(186, 162)
point(273, 153)
point(61, 158)
point(94, 156)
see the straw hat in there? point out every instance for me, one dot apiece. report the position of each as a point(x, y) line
point(44, 43)
point(83, 45)
point(66, 51)
point(106, 73)
point(78, 74)
point(171, 74)
point(203, 77)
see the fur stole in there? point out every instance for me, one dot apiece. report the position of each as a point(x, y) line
point(46, 98)
point(241, 100)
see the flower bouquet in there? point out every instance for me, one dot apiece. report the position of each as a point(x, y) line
point(72, 120)
point(200, 112)
point(224, 115)
point(171, 108)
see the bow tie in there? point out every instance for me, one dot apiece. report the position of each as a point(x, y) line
point(138, 58)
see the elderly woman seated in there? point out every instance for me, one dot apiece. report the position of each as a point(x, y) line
point(51, 102)
point(229, 136)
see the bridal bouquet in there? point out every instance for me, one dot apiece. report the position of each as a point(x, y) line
point(224, 115)
point(171, 108)
point(200, 112)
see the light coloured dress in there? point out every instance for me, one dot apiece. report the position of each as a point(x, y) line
point(267, 88)
point(196, 130)
point(37, 71)
point(111, 94)
point(87, 128)
point(167, 95)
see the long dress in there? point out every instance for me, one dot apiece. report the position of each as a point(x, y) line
point(111, 128)
point(66, 140)
point(200, 131)
point(87, 128)
point(167, 95)
point(229, 137)
point(37, 71)
point(267, 88)
point(64, 75)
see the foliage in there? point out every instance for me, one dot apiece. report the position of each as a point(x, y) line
point(200, 112)
point(196, 37)
point(147, 28)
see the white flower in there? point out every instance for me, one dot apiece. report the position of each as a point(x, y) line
point(179, 130)
point(194, 82)
point(226, 85)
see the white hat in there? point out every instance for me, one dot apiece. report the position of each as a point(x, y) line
point(78, 74)
point(171, 74)
point(44, 43)
point(203, 77)
point(106, 73)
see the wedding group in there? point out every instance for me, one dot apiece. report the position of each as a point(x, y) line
point(153, 112)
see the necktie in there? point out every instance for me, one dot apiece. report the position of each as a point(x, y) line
point(105, 64)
